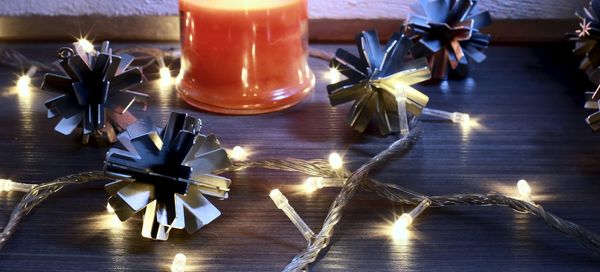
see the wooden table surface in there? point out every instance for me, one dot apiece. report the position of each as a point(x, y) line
point(526, 100)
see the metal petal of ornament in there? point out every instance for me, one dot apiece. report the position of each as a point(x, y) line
point(167, 172)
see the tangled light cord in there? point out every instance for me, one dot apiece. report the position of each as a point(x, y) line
point(36, 194)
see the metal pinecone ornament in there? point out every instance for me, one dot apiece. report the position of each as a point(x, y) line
point(374, 80)
point(586, 39)
point(93, 93)
point(593, 103)
point(167, 172)
point(447, 32)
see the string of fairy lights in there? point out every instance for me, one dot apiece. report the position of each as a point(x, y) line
point(320, 173)
point(166, 80)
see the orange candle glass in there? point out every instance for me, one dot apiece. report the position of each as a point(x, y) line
point(244, 56)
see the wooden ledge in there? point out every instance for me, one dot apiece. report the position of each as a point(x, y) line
point(166, 28)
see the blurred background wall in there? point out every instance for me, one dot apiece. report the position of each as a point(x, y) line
point(319, 9)
point(331, 20)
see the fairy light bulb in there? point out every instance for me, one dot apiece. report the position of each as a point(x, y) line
point(165, 73)
point(6, 185)
point(86, 45)
point(313, 183)
point(403, 127)
point(333, 75)
point(283, 204)
point(24, 81)
point(400, 227)
point(404, 221)
point(455, 117)
point(462, 118)
point(109, 208)
point(335, 161)
point(179, 263)
point(238, 153)
point(524, 190)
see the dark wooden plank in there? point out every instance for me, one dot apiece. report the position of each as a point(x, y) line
point(527, 99)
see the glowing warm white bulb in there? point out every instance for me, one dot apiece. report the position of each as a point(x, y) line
point(6, 185)
point(456, 117)
point(333, 75)
point(400, 228)
point(9, 185)
point(24, 81)
point(524, 190)
point(279, 199)
point(23, 84)
point(400, 234)
point(179, 263)
point(313, 183)
point(335, 161)
point(165, 76)
point(86, 45)
point(403, 222)
point(109, 208)
point(462, 118)
point(165, 73)
point(238, 153)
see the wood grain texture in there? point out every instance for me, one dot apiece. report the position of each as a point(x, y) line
point(528, 101)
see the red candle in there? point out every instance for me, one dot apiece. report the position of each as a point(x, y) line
point(244, 56)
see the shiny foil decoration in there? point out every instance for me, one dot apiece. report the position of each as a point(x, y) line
point(447, 32)
point(592, 103)
point(167, 172)
point(93, 92)
point(374, 79)
point(586, 39)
